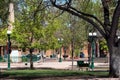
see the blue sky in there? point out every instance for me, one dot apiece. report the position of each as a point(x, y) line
point(61, 2)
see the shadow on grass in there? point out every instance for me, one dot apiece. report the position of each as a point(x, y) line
point(50, 73)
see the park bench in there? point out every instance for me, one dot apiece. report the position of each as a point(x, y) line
point(83, 65)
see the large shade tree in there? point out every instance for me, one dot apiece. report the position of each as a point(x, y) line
point(107, 26)
point(28, 25)
point(33, 29)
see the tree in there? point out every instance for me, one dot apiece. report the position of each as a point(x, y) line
point(34, 27)
point(28, 28)
point(107, 26)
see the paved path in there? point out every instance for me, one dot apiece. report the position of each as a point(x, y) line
point(47, 64)
point(56, 65)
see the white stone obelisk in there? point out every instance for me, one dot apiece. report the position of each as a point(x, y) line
point(11, 16)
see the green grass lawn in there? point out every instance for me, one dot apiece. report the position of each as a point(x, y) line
point(52, 73)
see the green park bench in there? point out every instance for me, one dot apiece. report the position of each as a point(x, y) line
point(83, 64)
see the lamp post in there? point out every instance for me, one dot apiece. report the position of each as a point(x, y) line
point(92, 37)
point(60, 41)
point(64, 49)
point(9, 50)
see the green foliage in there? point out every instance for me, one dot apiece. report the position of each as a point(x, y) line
point(77, 52)
point(73, 29)
point(3, 36)
point(31, 29)
point(27, 29)
point(4, 12)
point(103, 45)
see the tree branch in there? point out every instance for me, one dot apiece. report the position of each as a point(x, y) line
point(106, 16)
point(39, 8)
point(59, 14)
point(115, 20)
point(88, 15)
point(76, 13)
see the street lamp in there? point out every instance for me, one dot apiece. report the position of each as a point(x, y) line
point(92, 37)
point(60, 41)
point(8, 48)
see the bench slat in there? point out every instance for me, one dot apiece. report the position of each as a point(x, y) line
point(82, 64)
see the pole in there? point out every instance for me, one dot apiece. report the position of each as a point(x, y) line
point(92, 37)
point(60, 59)
point(93, 55)
point(72, 46)
point(8, 51)
point(60, 41)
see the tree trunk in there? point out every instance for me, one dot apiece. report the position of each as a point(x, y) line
point(114, 59)
point(31, 62)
